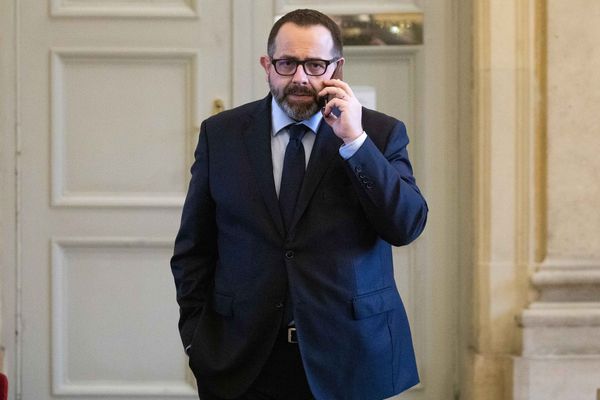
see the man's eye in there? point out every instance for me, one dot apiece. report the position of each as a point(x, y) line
point(287, 63)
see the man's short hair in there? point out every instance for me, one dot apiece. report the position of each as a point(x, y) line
point(307, 17)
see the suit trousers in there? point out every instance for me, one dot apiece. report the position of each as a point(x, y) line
point(282, 377)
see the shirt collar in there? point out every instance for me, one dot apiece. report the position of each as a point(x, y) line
point(281, 119)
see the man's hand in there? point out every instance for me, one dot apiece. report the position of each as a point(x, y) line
point(348, 126)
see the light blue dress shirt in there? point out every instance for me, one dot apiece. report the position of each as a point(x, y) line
point(280, 138)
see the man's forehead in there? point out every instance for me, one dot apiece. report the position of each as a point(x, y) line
point(309, 41)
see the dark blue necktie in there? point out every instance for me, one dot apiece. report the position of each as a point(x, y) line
point(292, 174)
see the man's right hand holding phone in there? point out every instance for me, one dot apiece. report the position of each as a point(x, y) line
point(347, 125)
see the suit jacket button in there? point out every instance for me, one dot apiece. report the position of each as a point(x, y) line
point(279, 305)
point(289, 254)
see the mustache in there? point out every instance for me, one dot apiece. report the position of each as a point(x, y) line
point(300, 90)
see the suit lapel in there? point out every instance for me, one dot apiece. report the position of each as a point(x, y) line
point(324, 152)
point(257, 138)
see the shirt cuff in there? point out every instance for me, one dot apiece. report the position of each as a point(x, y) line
point(348, 149)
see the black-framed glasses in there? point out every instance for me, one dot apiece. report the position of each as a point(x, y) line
point(312, 66)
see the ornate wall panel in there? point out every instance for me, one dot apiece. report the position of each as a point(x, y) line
point(105, 97)
point(92, 280)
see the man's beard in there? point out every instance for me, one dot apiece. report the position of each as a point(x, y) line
point(296, 111)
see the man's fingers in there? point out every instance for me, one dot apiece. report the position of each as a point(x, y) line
point(333, 103)
point(340, 85)
point(333, 92)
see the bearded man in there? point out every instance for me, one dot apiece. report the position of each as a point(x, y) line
point(283, 261)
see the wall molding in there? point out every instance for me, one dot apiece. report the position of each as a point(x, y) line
point(61, 382)
point(563, 315)
point(124, 8)
point(506, 92)
point(503, 165)
point(574, 277)
point(566, 272)
point(11, 171)
point(568, 264)
point(361, 7)
point(59, 57)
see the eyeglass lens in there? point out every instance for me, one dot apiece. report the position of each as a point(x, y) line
point(311, 67)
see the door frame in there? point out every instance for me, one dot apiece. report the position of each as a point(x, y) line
point(9, 196)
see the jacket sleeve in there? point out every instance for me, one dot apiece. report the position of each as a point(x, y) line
point(387, 189)
point(195, 253)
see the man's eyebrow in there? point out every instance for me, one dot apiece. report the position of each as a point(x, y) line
point(288, 57)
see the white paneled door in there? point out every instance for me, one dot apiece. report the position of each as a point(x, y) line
point(111, 97)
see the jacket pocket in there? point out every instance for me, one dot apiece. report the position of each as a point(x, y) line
point(376, 302)
point(222, 304)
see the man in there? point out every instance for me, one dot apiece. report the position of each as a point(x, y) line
point(283, 264)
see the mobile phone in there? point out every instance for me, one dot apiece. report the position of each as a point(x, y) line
point(337, 74)
point(322, 101)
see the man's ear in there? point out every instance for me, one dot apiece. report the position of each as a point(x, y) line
point(338, 73)
point(265, 61)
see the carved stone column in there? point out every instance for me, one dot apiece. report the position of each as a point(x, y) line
point(561, 329)
point(505, 135)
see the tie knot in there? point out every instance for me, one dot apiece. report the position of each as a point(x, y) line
point(296, 131)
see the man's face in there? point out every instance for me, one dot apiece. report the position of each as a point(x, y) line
point(297, 94)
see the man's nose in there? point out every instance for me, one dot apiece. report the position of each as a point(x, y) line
point(300, 76)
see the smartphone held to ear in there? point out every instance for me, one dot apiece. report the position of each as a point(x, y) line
point(337, 74)
point(322, 101)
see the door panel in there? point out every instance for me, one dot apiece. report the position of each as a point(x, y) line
point(112, 329)
point(110, 105)
point(101, 98)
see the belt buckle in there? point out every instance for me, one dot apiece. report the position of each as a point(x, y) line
point(292, 336)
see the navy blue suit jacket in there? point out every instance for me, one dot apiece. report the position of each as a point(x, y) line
point(233, 263)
